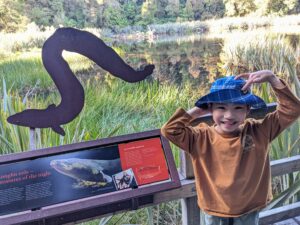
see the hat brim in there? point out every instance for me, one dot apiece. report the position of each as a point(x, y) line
point(231, 96)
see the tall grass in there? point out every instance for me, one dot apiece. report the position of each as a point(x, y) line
point(112, 107)
point(25, 72)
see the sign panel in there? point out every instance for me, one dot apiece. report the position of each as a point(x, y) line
point(34, 183)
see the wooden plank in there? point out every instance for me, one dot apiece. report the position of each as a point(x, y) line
point(186, 167)
point(286, 165)
point(190, 211)
point(279, 214)
point(188, 190)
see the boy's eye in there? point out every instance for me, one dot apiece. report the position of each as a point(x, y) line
point(220, 107)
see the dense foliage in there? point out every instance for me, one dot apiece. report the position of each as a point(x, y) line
point(114, 14)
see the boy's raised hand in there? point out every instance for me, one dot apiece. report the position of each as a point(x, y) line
point(197, 112)
point(260, 77)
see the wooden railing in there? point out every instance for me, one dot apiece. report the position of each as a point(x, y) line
point(187, 191)
point(191, 212)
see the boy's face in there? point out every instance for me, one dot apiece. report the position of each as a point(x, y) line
point(228, 117)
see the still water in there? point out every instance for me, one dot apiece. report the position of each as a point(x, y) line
point(193, 59)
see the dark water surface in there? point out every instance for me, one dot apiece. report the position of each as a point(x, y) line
point(177, 61)
point(180, 60)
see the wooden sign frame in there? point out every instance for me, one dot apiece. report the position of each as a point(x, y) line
point(97, 205)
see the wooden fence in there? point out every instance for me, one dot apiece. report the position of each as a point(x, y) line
point(191, 212)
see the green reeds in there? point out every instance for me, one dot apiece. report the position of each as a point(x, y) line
point(112, 107)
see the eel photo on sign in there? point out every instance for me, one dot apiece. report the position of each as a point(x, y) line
point(87, 172)
point(70, 89)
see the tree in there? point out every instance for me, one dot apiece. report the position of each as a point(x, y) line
point(11, 18)
point(148, 11)
point(114, 18)
point(197, 8)
point(172, 9)
point(187, 12)
point(131, 11)
point(44, 12)
point(213, 9)
point(281, 7)
point(239, 7)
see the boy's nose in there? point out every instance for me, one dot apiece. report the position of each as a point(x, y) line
point(228, 115)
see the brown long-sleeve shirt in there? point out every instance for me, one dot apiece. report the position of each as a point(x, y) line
point(232, 173)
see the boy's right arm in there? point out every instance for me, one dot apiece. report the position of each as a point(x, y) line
point(178, 129)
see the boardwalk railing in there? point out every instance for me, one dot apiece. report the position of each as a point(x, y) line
point(191, 212)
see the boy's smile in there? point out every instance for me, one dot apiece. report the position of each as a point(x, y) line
point(228, 117)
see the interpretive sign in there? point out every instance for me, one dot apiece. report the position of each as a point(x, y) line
point(110, 170)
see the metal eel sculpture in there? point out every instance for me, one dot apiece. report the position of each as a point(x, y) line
point(70, 89)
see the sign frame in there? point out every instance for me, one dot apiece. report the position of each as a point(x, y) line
point(84, 208)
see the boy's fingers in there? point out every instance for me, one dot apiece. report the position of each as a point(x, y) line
point(247, 85)
point(242, 75)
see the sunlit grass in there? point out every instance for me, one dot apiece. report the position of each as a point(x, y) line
point(22, 71)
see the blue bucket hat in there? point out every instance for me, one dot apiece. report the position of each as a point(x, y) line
point(228, 90)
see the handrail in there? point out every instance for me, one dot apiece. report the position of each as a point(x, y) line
point(278, 167)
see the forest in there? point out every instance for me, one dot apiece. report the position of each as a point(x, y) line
point(116, 14)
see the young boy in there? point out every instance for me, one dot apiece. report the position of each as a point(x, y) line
point(231, 159)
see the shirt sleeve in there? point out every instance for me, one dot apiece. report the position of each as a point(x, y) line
point(287, 112)
point(179, 131)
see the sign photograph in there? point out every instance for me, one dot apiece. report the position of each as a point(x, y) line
point(33, 183)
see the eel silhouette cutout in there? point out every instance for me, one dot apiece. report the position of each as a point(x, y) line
point(70, 89)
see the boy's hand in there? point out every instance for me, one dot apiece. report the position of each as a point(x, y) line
point(260, 77)
point(197, 112)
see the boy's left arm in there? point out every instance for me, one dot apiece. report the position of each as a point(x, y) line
point(288, 109)
point(287, 112)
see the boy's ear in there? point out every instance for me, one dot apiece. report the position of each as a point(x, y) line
point(209, 107)
point(248, 109)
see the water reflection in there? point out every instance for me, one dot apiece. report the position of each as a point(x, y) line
point(188, 59)
point(179, 61)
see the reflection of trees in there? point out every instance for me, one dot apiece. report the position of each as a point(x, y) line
point(191, 62)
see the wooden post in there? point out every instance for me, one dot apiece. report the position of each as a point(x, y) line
point(32, 144)
point(189, 206)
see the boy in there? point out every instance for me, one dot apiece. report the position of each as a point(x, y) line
point(230, 159)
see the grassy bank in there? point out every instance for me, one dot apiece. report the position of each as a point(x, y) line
point(215, 27)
